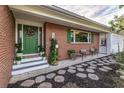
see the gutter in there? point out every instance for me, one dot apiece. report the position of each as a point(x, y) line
point(61, 10)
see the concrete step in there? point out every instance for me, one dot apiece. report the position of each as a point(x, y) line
point(21, 71)
point(30, 59)
point(30, 63)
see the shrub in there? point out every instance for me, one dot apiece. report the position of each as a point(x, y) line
point(41, 48)
point(18, 58)
point(119, 57)
point(53, 55)
point(71, 53)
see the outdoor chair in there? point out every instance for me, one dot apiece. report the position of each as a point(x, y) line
point(96, 51)
point(92, 51)
point(83, 53)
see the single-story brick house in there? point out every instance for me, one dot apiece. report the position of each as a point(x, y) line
point(46, 21)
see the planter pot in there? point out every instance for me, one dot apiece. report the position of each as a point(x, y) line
point(19, 54)
point(73, 56)
point(55, 63)
point(18, 62)
point(44, 58)
point(41, 53)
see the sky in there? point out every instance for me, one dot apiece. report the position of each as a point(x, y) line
point(100, 13)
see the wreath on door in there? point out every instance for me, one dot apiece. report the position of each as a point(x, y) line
point(30, 31)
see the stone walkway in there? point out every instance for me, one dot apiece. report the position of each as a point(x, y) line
point(94, 73)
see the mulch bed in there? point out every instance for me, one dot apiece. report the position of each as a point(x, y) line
point(105, 79)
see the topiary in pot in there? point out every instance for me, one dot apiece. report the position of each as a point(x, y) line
point(18, 60)
point(53, 55)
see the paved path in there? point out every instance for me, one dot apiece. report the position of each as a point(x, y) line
point(94, 73)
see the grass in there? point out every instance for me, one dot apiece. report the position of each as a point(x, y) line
point(119, 57)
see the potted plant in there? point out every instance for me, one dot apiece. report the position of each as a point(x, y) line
point(18, 60)
point(72, 54)
point(19, 51)
point(41, 50)
point(43, 56)
point(53, 55)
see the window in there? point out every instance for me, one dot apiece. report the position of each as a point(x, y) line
point(81, 37)
point(77, 36)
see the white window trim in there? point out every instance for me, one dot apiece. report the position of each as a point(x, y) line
point(74, 40)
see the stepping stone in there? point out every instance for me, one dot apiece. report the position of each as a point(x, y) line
point(102, 69)
point(83, 64)
point(113, 62)
point(81, 75)
point(106, 63)
point(93, 62)
point(121, 72)
point(100, 64)
point(78, 65)
point(27, 83)
point(71, 71)
point(59, 79)
point(90, 70)
point(40, 79)
point(122, 77)
point(93, 76)
point(61, 72)
point(45, 85)
point(70, 85)
point(80, 69)
point(92, 67)
point(72, 67)
point(50, 76)
point(108, 68)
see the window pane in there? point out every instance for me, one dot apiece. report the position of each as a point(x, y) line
point(81, 37)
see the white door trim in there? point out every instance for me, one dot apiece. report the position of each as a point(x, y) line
point(31, 23)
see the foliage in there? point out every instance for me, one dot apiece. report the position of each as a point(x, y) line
point(121, 6)
point(117, 24)
point(19, 47)
point(119, 57)
point(43, 55)
point(71, 53)
point(41, 48)
point(53, 55)
point(18, 58)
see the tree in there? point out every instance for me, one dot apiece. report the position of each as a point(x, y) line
point(117, 24)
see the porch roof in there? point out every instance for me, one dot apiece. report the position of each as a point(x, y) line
point(57, 15)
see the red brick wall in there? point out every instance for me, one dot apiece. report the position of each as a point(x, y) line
point(61, 36)
point(7, 38)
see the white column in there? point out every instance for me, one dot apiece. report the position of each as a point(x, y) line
point(22, 36)
point(74, 36)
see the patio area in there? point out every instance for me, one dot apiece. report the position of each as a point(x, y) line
point(96, 71)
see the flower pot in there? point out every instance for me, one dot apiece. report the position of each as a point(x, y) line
point(44, 58)
point(41, 53)
point(73, 56)
point(19, 54)
point(18, 62)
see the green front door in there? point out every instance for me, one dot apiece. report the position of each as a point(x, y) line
point(30, 39)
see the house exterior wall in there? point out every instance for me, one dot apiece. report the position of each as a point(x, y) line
point(7, 44)
point(116, 43)
point(61, 36)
